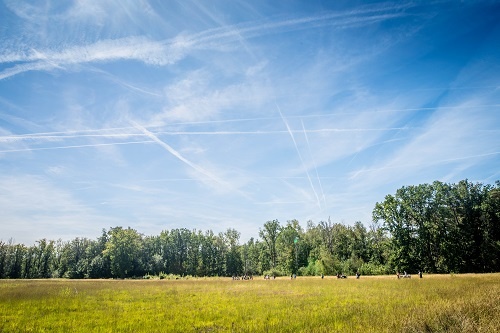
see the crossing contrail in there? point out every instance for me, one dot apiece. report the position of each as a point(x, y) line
point(314, 163)
point(177, 154)
point(300, 156)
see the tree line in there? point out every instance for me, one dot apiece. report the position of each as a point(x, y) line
point(435, 228)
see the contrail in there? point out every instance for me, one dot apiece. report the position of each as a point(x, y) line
point(355, 174)
point(29, 137)
point(77, 146)
point(369, 111)
point(364, 15)
point(177, 154)
point(69, 134)
point(314, 163)
point(373, 145)
point(167, 52)
point(125, 84)
point(101, 133)
point(300, 156)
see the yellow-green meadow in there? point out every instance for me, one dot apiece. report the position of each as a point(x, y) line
point(435, 303)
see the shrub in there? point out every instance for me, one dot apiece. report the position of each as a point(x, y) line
point(274, 272)
point(369, 268)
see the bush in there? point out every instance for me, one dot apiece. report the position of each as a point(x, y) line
point(369, 268)
point(274, 272)
point(314, 268)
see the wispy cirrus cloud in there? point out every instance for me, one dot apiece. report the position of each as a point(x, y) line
point(130, 48)
point(133, 48)
point(31, 203)
point(451, 136)
point(374, 97)
point(169, 51)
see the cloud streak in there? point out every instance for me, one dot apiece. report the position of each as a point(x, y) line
point(216, 92)
point(300, 156)
point(63, 135)
point(74, 146)
point(422, 164)
point(176, 154)
point(314, 164)
point(167, 52)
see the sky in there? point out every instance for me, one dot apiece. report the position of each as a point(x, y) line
point(211, 115)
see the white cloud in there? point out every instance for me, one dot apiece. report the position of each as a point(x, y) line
point(31, 204)
point(168, 51)
point(131, 48)
point(358, 120)
point(457, 136)
point(199, 96)
point(56, 170)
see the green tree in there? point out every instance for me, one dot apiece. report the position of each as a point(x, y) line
point(124, 250)
point(379, 247)
point(270, 235)
point(12, 257)
point(208, 253)
point(152, 255)
point(42, 259)
point(491, 222)
point(250, 254)
point(221, 250)
point(234, 264)
point(394, 214)
point(4, 259)
point(287, 248)
point(73, 261)
point(194, 253)
point(99, 263)
point(442, 227)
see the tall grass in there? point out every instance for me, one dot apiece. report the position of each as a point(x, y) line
point(465, 303)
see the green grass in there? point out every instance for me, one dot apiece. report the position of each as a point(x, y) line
point(460, 303)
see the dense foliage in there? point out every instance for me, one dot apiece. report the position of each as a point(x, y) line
point(435, 228)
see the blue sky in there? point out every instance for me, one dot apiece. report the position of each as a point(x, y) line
point(226, 114)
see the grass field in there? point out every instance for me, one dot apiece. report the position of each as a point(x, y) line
point(440, 303)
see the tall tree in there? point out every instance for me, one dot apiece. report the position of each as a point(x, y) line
point(442, 227)
point(42, 255)
point(250, 253)
point(270, 234)
point(394, 214)
point(152, 255)
point(491, 221)
point(287, 247)
point(73, 261)
point(124, 249)
point(99, 265)
point(194, 253)
point(208, 253)
point(234, 264)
